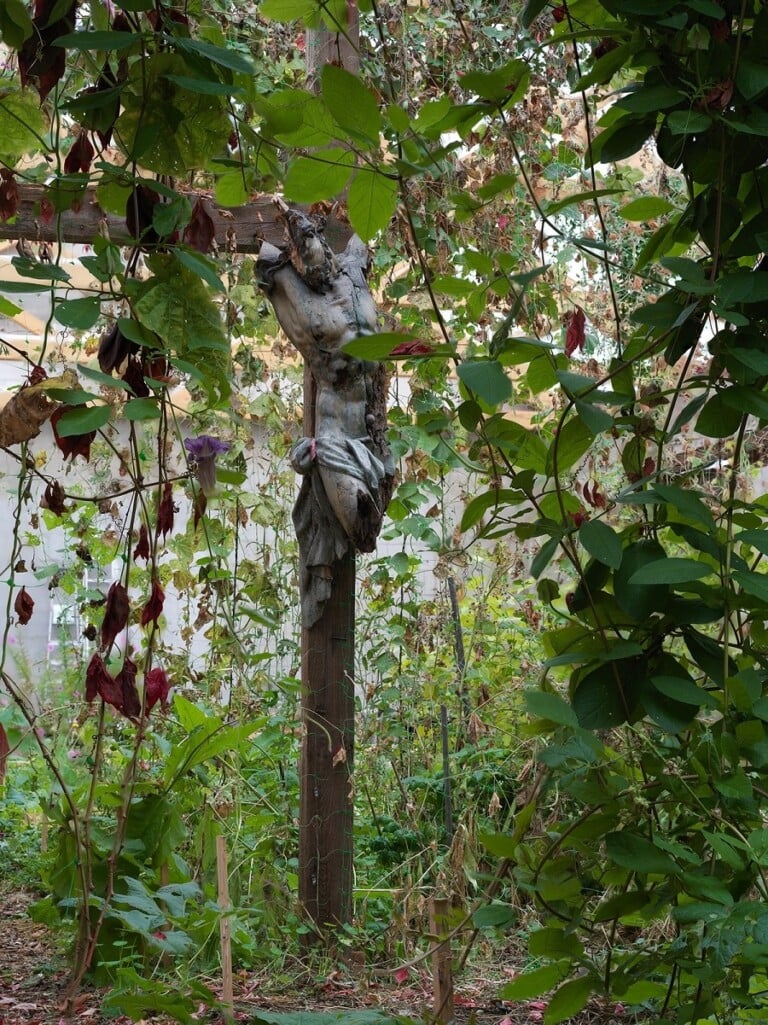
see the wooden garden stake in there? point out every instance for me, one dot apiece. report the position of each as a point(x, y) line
point(227, 987)
point(442, 973)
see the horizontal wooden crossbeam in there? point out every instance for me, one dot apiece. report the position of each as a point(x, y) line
point(240, 229)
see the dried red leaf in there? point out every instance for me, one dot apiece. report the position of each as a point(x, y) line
point(47, 210)
point(603, 47)
point(199, 507)
point(114, 349)
point(24, 606)
point(721, 30)
point(134, 377)
point(126, 681)
point(649, 466)
point(579, 517)
point(166, 510)
point(9, 195)
point(141, 551)
point(558, 13)
point(116, 612)
point(574, 335)
point(75, 444)
point(414, 348)
point(40, 61)
point(200, 232)
point(719, 96)
point(156, 688)
point(78, 160)
point(96, 669)
point(157, 367)
point(154, 607)
point(139, 211)
point(53, 498)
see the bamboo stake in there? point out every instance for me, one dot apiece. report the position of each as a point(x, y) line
point(442, 973)
point(227, 987)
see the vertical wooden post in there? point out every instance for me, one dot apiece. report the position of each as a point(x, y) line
point(327, 664)
point(326, 819)
point(222, 874)
point(442, 972)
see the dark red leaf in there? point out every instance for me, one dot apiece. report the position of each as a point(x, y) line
point(154, 607)
point(78, 160)
point(24, 606)
point(574, 335)
point(200, 232)
point(157, 367)
point(134, 377)
point(141, 551)
point(47, 210)
point(166, 510)
point(114, 349)
point(138, 214)
point(558, 13)
point(156, 688)
point(9, 195)
point(96, 669)
point(53, 498)
point(74, 445)
point(116, 613)
point(415, 348)
point(200, 505)
point(126, 681)
point(40, 62)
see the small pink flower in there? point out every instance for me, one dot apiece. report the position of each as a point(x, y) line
point(73, 755)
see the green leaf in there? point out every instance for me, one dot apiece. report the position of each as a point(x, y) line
point(7, 308)
point(647, 208)
point(534, 983)
point(544, 705)
point(98, 40)
point(596, 420)
point(288, 10)
point(552, 942)
point(79, 314)
point(743, 286)
point(495, 916)
point(751, 77)
point(571, 442)
point(569, 999)
point(166, 128)
point(487, 380)
point(223, 56)
point(602, 542)
point(649, 99)
point(686, 122)
point(371, 202)
point(493, 499)
point(205, 85)
point(106, 380)
point(755, 584)
point(555, 206)
point(608, 695)
point(82, 420)
point(670, 571)
point(544, 556)
point(638, 854)
point(352, 105)
point(502, 85)
point(719, 418)
point(614, 908)
point(323, 175)
point(22, 126)
point(141, 409)
point(200, 265)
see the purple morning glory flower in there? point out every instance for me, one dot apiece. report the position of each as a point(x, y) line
point(204, 450)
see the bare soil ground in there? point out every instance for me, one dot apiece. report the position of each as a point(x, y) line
point(33, 979)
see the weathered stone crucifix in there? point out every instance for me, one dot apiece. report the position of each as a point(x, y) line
point(322, 301)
